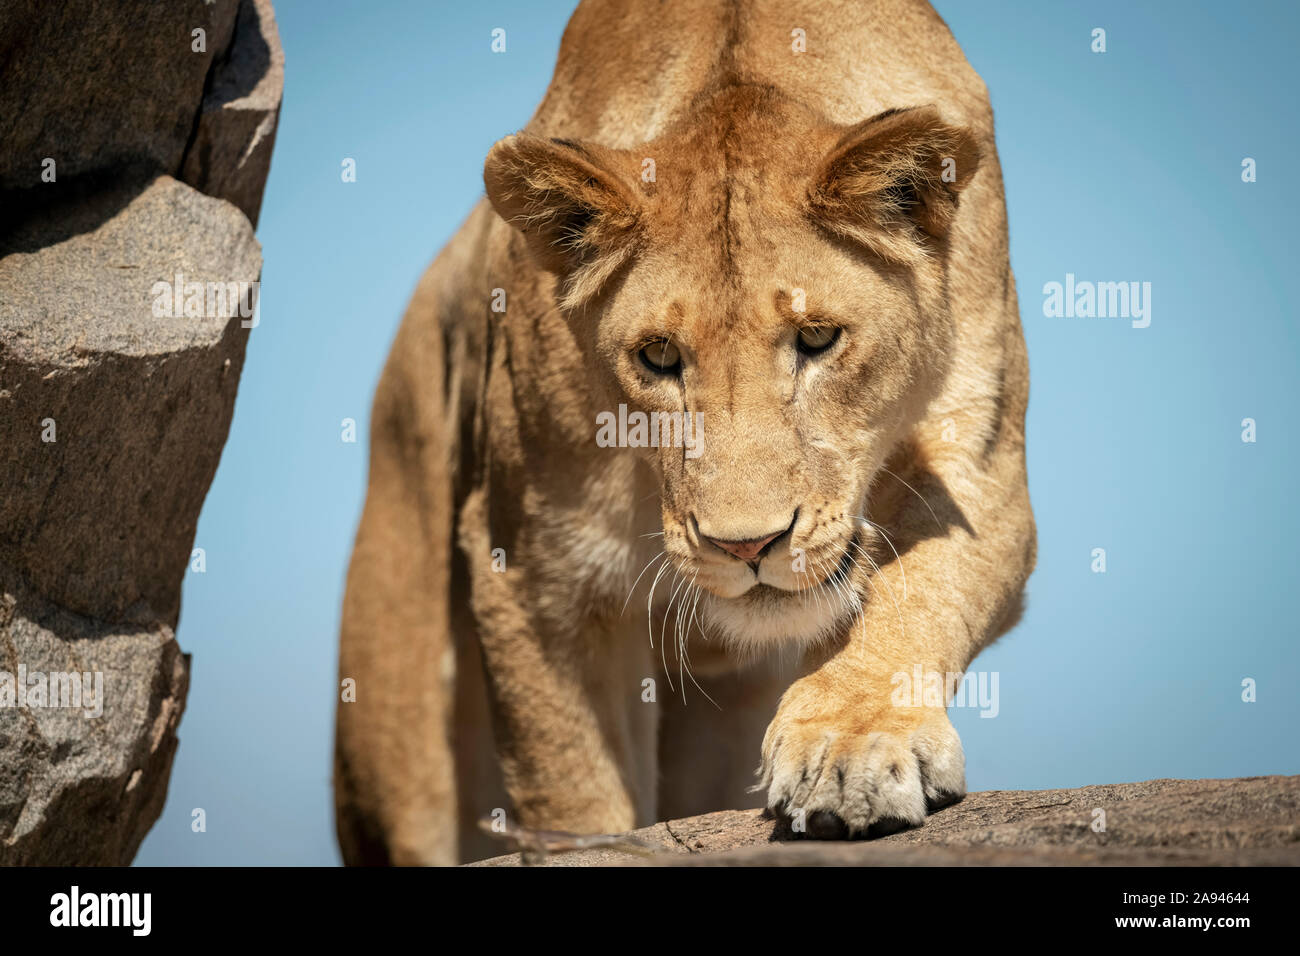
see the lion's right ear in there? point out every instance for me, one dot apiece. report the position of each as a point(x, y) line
point(570, 204)
point(892, 182)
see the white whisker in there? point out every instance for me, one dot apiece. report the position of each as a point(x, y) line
point(890, 587)
point(649, 601)
point(638, 581)
point(898, 557)
point(937, 522)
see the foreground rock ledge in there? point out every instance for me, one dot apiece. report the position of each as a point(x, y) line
point(1251, 821)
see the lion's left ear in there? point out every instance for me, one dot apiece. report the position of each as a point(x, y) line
point(570, 202)
point(892, 182)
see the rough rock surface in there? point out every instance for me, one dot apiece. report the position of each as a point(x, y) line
point(113, 409)
point(230, 154)
point(102, 518)
point(77, 788)
point(1253, 821)
point(98, 86)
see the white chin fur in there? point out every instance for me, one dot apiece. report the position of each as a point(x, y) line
point(764, 620)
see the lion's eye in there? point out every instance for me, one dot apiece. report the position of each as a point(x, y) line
point(661, 356)
point(817, 338)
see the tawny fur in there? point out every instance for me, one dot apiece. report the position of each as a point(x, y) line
point(855, 185)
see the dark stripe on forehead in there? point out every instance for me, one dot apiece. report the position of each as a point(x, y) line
point(572, 144)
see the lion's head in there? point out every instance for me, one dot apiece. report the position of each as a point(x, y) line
point(778, 282)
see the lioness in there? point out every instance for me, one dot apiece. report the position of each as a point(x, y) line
point(781, 226)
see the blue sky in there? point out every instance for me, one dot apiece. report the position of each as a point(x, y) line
point(1121, 166)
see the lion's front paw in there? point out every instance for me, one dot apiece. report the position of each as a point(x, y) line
point(839, 778)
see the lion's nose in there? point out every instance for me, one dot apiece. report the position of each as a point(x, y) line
point(745, 550)
point(748, 549)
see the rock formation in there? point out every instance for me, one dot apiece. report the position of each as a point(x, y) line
point(1254, 821)
point(135, 141)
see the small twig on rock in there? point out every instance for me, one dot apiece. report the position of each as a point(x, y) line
point(535, 846)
